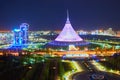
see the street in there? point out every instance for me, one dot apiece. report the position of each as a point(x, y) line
point(90, 69)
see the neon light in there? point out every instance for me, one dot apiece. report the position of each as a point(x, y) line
point(16, 30)
point(21, 35)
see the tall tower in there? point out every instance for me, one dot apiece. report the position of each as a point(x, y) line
point(67, 37)
point(68, 34)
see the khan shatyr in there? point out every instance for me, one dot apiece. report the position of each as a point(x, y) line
point(67, 37)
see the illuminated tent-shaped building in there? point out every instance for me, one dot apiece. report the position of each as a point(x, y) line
point(68, 36)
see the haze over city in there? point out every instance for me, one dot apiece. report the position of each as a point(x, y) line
point(47, 14)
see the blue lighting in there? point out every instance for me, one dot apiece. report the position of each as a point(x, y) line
point(21, 35)
point(16, 30)
point(20, 41)
point(97, 60)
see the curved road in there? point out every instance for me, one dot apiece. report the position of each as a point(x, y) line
point(90, 69)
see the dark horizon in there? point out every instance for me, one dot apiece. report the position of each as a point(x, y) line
point(51, 15)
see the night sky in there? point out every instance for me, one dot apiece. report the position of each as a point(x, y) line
point(51, 14)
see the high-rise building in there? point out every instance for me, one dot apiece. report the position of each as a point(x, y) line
point(109, 31)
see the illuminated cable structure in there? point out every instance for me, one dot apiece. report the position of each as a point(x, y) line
point(68, 36)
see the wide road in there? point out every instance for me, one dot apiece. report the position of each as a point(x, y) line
point(90, 69)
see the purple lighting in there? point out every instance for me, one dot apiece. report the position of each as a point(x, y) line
point(68, 34)
point(67, 37)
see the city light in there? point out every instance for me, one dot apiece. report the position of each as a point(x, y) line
point(103, 68)
point(59, 54)
point(76, 68)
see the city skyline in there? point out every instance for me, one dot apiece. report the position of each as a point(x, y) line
point(51, 15)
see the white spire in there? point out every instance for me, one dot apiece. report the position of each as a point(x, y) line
point(67, 15)
point(68, 21)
